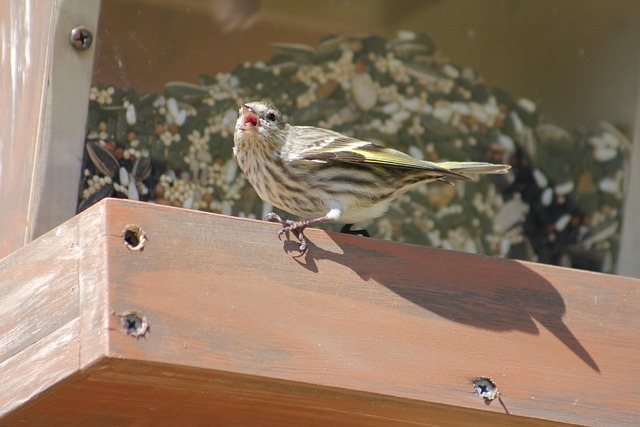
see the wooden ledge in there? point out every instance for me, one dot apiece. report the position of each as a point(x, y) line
point(359, 332)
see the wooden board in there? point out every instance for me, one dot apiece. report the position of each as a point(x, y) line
point(358, 332)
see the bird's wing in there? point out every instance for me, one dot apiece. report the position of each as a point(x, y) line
point(475, 167)
point(324, 146)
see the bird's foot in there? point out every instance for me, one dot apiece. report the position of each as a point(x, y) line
point(346, 229)
point(296, 227)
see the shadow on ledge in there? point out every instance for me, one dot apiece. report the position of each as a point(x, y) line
point(474, 293)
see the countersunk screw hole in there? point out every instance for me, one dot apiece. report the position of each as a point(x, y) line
point(136, 324)
point(134, 238)
point(486, 388)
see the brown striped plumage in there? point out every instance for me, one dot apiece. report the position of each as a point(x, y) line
point(321, 175)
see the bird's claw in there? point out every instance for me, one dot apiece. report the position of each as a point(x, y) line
point(296, 227)
point(274, 217)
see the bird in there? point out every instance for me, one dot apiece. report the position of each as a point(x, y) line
point(320, 175)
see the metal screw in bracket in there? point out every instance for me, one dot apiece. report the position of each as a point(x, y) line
point(81, 38)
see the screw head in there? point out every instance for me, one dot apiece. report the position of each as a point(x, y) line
point(486, 388)
point(135, 324)
point(81, 38)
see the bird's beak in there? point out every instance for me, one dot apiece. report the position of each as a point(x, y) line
point(249, 118)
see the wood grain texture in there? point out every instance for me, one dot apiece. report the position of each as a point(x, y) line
point(39, 288)
point(355, 321)
point(39, 367)
point(133, 393)
point(93, 282)
point(377, 316)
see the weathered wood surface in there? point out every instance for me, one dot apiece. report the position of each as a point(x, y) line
point(45, 85)
point(358, 332)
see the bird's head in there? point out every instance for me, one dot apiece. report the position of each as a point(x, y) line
point(260, 119)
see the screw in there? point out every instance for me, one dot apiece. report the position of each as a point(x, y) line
point(81, 38)
point(135, 324)
point(486, 388)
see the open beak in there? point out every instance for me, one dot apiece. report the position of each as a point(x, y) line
point(249, 118)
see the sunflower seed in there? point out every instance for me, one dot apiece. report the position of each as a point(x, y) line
point(511, 214)
point(301, 53)
point(604, 154)
point(601, 232)
point(132, 191)
point(131, 115)
point(540, 179)
point(609, 185)
point(102, 159)
point(527, 105)
point(562, 222)
point(172, 107)
point(564, 188)
point(142, 167)
point(186, 92)
point(330, 44)
point(547, 197)
point(364, 91)
point(124, 176)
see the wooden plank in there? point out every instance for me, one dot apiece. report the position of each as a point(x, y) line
point(375, 316)
point(39, 367)
point(93, 279)
point(124, 392)
point(358, 332)
point(39, 287)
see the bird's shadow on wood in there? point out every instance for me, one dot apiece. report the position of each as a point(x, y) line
point(487, 293)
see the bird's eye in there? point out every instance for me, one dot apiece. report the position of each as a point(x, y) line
point(271, 117)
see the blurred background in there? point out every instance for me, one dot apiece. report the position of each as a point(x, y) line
point(549, 87)
point(578, 59)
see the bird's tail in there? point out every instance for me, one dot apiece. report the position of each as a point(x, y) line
point(474, 167)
